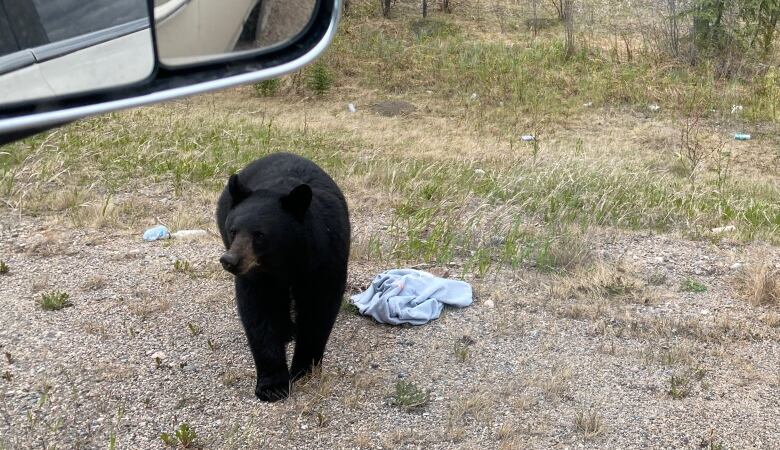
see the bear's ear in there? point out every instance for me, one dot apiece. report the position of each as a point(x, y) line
point(237, 191)
point(298, 200)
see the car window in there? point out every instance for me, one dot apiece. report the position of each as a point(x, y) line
point(63, 19)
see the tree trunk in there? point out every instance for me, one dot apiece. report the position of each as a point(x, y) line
point(674, 30)
point(386, 8)
point(568, 25)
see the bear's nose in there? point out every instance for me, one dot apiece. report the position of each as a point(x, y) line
point(229, 262)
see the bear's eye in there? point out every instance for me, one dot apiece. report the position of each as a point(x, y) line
point(232, 234)
point(259, 236)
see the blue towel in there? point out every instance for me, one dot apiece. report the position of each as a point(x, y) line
point(410, 296)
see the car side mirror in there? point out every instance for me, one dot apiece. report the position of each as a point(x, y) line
point(61, 60)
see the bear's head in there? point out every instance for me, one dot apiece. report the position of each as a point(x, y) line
point(265, 229)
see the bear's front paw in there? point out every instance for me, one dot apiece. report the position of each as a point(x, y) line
point(273, 392)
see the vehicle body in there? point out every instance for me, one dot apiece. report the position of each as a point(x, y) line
point(66, 59)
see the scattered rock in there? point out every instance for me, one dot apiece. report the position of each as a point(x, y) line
point(351, 108)
point(490, 303)
point(736, 266)
point(654, 107)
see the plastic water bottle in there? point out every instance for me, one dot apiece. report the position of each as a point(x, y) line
point(157, 232)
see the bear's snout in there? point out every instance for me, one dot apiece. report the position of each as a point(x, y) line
point(229, 262)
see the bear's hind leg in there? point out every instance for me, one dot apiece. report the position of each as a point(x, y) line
point(315, 315)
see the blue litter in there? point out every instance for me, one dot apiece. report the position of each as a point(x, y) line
point(410, 296)
point(157, 232)
point(741, 136)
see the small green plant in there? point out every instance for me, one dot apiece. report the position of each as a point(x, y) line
point(194, 329)
point(320, 79)
point(710, 442)
point(461, 351)
point(183, 437)
point(691, 285)
point(3, 268)
point(54, 301)
point(679, 387)
point(213, 346)
point(267, 88)
point(182, 265)
point(348, 307)
point(408, 396)
point(7, 375)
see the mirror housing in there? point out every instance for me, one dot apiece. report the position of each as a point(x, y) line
point(166, 83)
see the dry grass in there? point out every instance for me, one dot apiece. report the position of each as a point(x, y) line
point(556, 383)
point(603, 281)
point(759, 283)
point(589, 423)
point(148, 307)
point(95, 283)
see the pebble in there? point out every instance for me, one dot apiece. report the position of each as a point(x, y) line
point(490, 303)
point(736, 266)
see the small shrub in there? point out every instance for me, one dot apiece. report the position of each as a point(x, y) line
point(54, 301)
point(320, 79)
point(3, 268)
point(408, 396)
point(267, 88)
point(691, 285)
point(183, 437)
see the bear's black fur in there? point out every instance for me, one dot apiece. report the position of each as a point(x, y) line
point(285, 225)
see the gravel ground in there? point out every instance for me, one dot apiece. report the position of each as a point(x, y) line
point(145, 347)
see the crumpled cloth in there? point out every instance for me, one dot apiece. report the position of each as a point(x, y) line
point(410, 296)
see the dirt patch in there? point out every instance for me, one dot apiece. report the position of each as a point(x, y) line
point(393, 108)
point(146, 348)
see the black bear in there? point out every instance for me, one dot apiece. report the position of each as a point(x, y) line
point(285, 226)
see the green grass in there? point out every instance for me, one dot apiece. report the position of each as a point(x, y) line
point(54, 301)
point(533, 79)
point(443, 210)
point(3, 268)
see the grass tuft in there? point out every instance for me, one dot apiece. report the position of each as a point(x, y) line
point(589, 423)
point(759, 284)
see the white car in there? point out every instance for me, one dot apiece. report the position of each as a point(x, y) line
point(65, 59)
